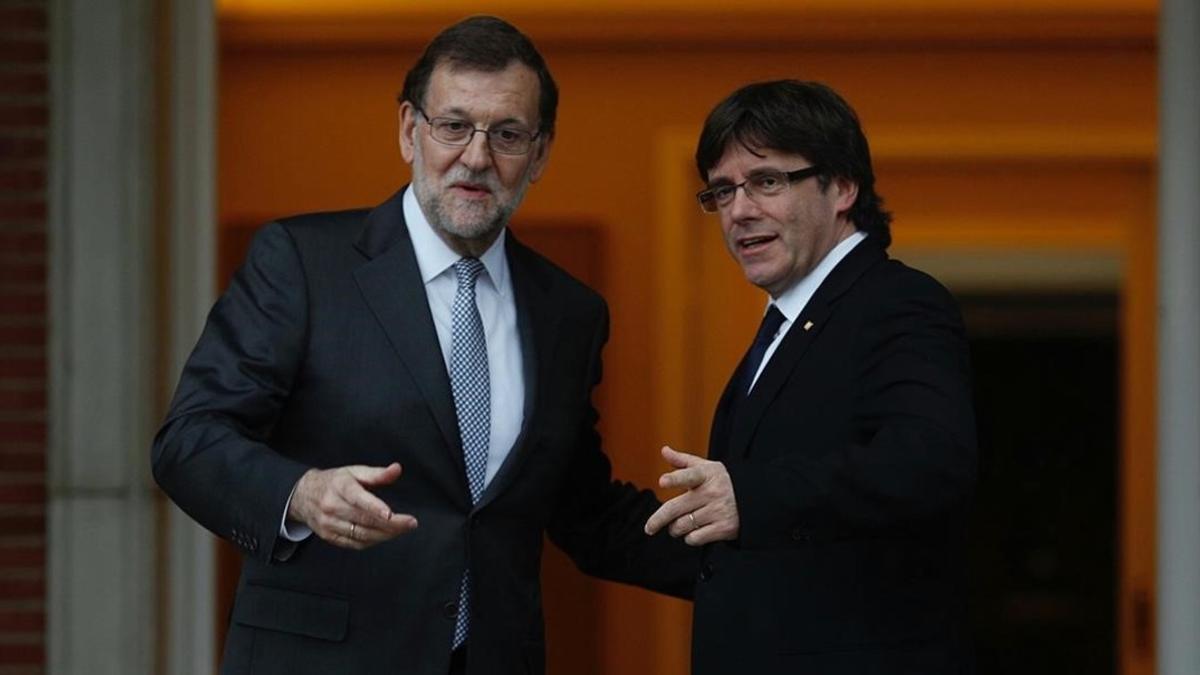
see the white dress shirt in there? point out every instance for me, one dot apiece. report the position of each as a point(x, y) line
point(792, 301)
point(498, 312)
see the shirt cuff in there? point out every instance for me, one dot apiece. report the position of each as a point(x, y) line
point(290, 529)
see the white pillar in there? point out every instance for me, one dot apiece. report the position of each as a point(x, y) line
point(116, 604)
point(101, 543)
point(1179, 339)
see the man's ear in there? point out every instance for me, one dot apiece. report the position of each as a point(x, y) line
point(846, 195)
point(542, 156)
point(408, 129)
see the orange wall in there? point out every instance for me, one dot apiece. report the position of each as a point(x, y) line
point(308, 127)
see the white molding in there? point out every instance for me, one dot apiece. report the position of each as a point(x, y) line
point(1178, 557)
point(191, 608)
point(191, 563)
point(654, 24)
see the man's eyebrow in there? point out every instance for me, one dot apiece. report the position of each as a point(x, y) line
point(760, 170)
point(462, 114)
point(452, 112)
point(719, 179)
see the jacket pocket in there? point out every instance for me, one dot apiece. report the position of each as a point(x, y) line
point(319, 616)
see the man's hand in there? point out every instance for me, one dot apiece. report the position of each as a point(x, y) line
point(707, 512)
point(340, 509)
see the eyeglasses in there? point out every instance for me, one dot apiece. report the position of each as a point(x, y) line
point(765, 183)
point(506, 140)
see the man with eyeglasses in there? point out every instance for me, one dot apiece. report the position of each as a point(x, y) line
point(418, 335)
point(831, 508)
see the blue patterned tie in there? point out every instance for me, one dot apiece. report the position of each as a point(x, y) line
point(471, 386)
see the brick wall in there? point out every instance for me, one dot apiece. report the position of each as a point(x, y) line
point(23, 306)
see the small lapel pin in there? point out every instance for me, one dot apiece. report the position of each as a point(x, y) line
point(808, 325)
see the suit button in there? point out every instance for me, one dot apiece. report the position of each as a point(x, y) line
point(800, 535)
point(706, 572)
point(450, 610)
point(474, 522)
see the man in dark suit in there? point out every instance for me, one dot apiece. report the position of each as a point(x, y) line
point(422, 335)
point(841, 460)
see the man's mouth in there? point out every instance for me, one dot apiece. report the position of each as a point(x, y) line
point(472, 189)
point(755, 243)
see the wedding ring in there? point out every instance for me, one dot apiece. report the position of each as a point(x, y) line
point(353, 527)
point(692, 516)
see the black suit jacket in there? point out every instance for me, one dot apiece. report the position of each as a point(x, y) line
point(323, 353)
point(852, 461)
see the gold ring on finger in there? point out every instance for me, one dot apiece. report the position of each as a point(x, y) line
point(353, 527)
point(692, 517)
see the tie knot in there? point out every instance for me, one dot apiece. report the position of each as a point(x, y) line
point(467, 270)
point(770, 326)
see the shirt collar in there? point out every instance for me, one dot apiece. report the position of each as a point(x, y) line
point(434, 257)
point(792, 301)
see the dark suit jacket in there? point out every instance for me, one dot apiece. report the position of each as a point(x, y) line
point(323, 353)
point(852, 462)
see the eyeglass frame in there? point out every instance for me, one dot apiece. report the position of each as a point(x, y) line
point(487, 133)
point(792, 177)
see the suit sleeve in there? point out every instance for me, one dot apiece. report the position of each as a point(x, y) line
point(211, 455)
point(600, 522)
point(910, 460)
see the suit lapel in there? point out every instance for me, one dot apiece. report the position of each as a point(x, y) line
point(390, 282)
point(748, 412)
point(537, 324)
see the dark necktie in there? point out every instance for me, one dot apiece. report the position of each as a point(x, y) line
point(471, 386)
point(766, 334)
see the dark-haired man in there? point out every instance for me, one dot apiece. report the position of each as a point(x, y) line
point(842, 453)
point(422, 335)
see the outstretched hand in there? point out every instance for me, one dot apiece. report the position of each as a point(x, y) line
point(338, 506)
point(707, 511)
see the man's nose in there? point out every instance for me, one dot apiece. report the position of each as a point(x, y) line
point(743, 205)
point(477, 156)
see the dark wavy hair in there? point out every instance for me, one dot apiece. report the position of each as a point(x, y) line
point(488, 44)
point(805, 118)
